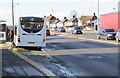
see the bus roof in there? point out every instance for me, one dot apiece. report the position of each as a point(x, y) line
point(30, 17)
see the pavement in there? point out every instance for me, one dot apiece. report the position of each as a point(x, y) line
point(6, 45)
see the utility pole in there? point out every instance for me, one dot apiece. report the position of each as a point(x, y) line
point(12, 12)
point(98, 17)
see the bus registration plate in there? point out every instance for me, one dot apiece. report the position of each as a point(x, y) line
point(31, 42)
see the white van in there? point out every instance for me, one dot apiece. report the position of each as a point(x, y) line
point(118, 35)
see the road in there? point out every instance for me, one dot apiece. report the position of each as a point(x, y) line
point(84, 57)
point(66, 56)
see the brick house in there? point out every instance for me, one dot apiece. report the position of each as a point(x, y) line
point(49, 20)
point(84, 21)
point(62, 23)
point(94, 22)
point(54, 24)
point(71, 23)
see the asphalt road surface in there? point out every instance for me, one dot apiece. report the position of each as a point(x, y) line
point(83, 57)
point(73, 57)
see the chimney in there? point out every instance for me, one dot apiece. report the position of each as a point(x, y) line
point(57, 18)
point(94, 14)
point(73, 16)
point(65, 18)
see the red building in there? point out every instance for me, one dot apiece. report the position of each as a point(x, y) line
point(110, 20)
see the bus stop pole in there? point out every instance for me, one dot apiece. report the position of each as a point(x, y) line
point(12, 12)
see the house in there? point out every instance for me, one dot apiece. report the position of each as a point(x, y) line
point(62, 23)
point(94, 22)
point(88, 21)
point(54, 24)
point(71, 23)
point(84, 21)
point(49, 20)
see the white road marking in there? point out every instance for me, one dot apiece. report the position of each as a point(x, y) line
point(9, 70)
point(92, 57)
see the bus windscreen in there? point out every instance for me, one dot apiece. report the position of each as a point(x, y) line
point(33, 25)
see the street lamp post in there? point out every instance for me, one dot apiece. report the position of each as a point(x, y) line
point(98, 17)
point(12, 12)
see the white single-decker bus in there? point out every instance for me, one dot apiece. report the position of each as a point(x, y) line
point(30, 32)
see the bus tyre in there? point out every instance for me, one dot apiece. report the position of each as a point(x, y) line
point(13, 44)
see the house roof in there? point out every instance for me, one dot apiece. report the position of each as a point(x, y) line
point(61, 22)
point(49, 17)
point(65, 20)
point(85, 18)
point(55, 22)
point(71, 20)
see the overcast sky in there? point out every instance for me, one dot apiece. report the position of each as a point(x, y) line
point(58, 8)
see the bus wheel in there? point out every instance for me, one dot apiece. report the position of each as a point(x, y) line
point(14, 46)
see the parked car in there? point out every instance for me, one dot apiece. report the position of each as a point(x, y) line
point(118, 35)
point(76, 30)
point(61, 29)
point(106, 34)
point(47, 32)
